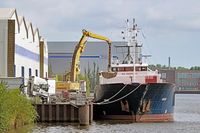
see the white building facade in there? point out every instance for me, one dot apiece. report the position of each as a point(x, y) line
point(23, 52)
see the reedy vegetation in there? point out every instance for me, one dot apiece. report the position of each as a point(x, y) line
point(15, 109)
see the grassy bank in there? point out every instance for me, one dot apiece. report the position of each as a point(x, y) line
point(15, 109)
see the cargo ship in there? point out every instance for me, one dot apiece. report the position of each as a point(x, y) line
point(132, 91)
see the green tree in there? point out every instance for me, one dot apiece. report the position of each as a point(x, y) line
point(158, 66)
point(195, 68)
point(50, 70)
point(97, 76)
point(93, 75)
point(181, 68)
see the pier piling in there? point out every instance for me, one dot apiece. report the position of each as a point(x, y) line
point(65, 112)
point(84, 114)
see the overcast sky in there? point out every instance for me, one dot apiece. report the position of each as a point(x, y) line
point(171, 27)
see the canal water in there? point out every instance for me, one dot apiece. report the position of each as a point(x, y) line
point(186, 116)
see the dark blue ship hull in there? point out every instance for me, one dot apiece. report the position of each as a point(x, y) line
point(152, 102)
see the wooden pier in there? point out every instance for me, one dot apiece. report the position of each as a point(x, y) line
point(65, 112)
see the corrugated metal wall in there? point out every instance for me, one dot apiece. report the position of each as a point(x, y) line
point(7, 47)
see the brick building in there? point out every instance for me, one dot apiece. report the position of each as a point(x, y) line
point(184, 79)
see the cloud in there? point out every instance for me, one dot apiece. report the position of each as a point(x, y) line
point(69, 15)
point(167, 22)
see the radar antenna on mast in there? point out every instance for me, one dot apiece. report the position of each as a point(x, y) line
point(134, 48)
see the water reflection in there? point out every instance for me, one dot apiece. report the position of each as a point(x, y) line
point(24, 129)
point(58, 127)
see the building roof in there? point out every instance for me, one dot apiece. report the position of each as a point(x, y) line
point(11, 13)
point(7, 13)
point(91, 46)
point(20, 18)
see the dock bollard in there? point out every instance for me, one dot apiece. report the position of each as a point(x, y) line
point(84, 113)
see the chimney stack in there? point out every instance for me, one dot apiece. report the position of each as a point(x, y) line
point(169, 63)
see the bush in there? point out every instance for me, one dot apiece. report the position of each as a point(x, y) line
point(15, 109)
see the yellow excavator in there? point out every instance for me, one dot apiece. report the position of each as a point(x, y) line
point(75, 70)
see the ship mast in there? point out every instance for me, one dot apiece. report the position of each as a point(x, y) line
point(134, 48)
point(134, 55)
point(133, 43)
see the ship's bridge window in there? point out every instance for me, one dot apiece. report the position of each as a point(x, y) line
point(115, 69)
point(122, 69)
point(143, 68)
point(138, 68)
point(128, 69)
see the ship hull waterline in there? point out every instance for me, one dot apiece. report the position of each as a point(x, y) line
point(152, 102)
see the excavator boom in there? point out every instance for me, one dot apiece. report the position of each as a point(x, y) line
point(80, 48)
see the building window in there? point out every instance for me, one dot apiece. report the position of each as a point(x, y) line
point(36, 72)
point(22, 71)
point(163, 75)
point(30, 73)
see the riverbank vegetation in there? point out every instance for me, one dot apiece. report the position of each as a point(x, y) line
point(159, 66)
point(15, 109)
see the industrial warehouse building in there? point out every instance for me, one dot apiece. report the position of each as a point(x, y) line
point(23, 52)
point(60, 55)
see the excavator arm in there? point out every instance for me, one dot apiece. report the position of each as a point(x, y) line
point(80, 48)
